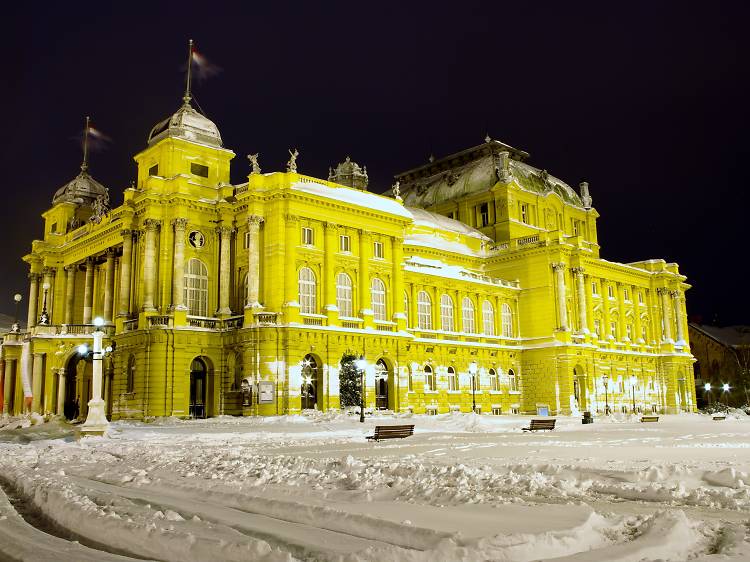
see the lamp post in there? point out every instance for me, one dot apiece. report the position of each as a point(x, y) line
point(605, 380)
point(361, 365)
point(18, 298)
point(633, 380)
point(707, 389)
point(96, 421)
point(44, 317)
point(473, 373)
point(725, 387)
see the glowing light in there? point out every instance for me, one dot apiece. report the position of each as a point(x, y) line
point(473, 367)
point(725, 386)
point(707, 387)
point(98, 321)
point(361, 364)
point(83, 349)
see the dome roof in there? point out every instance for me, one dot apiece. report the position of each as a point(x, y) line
point(187, 124)
point(82, 190)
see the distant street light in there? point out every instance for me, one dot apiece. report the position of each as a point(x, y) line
point(605, 380)
point(473, 373)
point(361, 365)
point(18, 298)
point(633, 380)
point(707, 389)
point(725, 387)
point(44, 317)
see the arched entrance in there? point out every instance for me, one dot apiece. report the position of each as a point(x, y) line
point(310, 381)
point(198, 372)
point(78, 389)
point(381, 385)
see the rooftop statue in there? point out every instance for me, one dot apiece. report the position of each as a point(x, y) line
point(292, 164)
point(254, 162)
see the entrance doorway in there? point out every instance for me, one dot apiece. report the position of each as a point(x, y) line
point(310, 377)
point(198, 388)
point(381, 385)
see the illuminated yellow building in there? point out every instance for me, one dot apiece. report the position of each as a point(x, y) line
point(475, 281)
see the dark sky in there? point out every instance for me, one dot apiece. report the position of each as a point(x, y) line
point(647, 101)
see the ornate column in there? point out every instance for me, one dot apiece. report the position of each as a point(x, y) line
point(60, 392)
point(125, 264)
point(33, 299)
point(253, 262)
point(637, 337)
point(414, 311)
point(606, 329)
point(589, 304)
point(666, 319)
point(582, 306)
point(676, 301)
point(70, 291)
point(109, 286)
point(365, 301)
point(621, 312)
point(329, 278)
point(149, 264)
point(225, 234)
point(37, 376)
point(291, 236)
point(559, 269)
point(178, 268)
point(88, 292)
point(397, 252)
point(10, 375)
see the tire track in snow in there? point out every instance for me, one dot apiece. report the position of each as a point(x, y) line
point(298, 538)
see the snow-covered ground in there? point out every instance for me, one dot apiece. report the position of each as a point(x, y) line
point(464, 487)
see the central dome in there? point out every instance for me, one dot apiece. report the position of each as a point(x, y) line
point(82, 190)
point(187, 124)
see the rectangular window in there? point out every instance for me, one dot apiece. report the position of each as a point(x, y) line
point(610, 291)
point(53, 228)
point(626, 294)
point(199, 170)
point(153, 170)
point(640, 297)
point(595, 288)
point(524, 213)
point(307, 236)
point(514, 411)
point(484, 214)
point(613, 329)
point(576, 227)
point(345, 243)
point(377, 250)
point(497, 411)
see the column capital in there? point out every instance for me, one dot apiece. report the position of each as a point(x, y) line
point(125, 232)
point(662, 291)
point(73, 267)
point(34, 277)
point(255, 220)
point(179, 223)
point(48, 271)
point(577, 270)
point(675, 294)
point(291, 218)
point(558, 266)
point(151, 224)
point(332, 226)
point(224, 230)
point(110, 253)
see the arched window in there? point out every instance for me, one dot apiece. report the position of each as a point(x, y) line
point(507, 318)
point(488, 318)
point(493, 380)
point(196, 288)
point(424, 311)
point(512, 381)
point(406, 308)
point(344, 294)
point(446, 313)
point(429, 378)
point(130, 375)
point(309, 390)
point(377, 298)
point(467, 315)
point(452, 383)
point(307, 291)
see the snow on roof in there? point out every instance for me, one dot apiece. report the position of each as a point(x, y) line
point(426, 218)
point(356, 197)
point(439, 268)
point(437, 243)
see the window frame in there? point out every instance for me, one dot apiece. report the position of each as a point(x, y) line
point(378, 250)
point(345, 244)
point(468, 316)
point(506, 315)
point(308, 303)
point(429, 379)
point(488, 318)
point(308, 233)
point(347, 308)
point(378, 299)
point(452, 379)
point(447, 316)
point(195, 288)
point(424, 311)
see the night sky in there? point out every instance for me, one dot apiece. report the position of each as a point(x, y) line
point(648, 102)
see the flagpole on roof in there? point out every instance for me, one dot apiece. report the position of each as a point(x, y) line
point(186, 98)
point(85, 163)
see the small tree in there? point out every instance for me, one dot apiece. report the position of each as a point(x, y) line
point(349, 381)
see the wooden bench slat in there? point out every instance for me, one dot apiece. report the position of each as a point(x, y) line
point(391, 432)
point(537, 425)
point(649, 419)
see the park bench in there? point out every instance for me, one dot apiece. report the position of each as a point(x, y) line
point(718, 417)
point(391, 432)
point(541, 425)
point(649, 418)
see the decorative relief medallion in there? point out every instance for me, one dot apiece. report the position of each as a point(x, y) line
point(196, 239)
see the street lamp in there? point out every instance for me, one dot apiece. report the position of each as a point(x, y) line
point(18, 298)
point(361, 365)
point(96, 421)
point(707, 389)
point(473, 373)
point(633, 380)
point(44, 317)
point(725, 387)
point(605, 380)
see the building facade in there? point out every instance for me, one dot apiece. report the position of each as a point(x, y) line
point(475, 283)
point(722, 366)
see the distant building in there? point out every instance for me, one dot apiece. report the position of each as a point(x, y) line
point(480, 284)
point(722, 357)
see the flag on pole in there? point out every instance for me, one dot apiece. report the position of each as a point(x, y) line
point(202, 67)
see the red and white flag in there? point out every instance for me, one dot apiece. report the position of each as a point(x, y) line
point(202, 67)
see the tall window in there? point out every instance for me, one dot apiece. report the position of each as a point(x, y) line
point(524, 213)
point(130, 375)
point(452, 384)
point(488, 318)
point(467, 314)
point(307, 236)
point(493, 380)
point(640, 297)
point(406, 308)
point(629, 331)
point(377, 296)
point(507, 318)
point(595, 288)
point(610, 291)
point(644, 332)
point(484, 214)
point(344, 294)
point(626, 294)
point(377, 250)
point(512, 381)
point(307, 291)
point(345, 243)
point(613, 330)
point(429, 378)
point(424, 311)
point(196, 288)
point(446, 313)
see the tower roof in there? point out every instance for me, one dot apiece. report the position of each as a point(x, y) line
point(81, 190)
point(187, 124)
